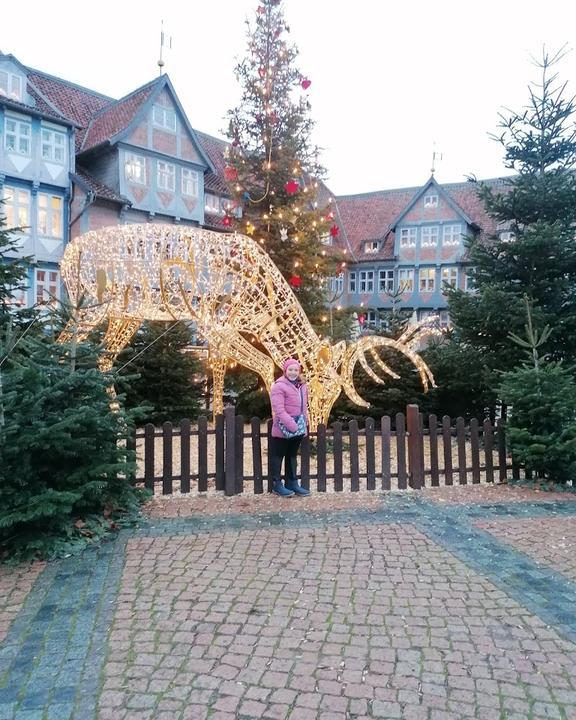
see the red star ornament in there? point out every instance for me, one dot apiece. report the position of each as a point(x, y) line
point(226, 221)
point(230, 173)
point(292, 187)
point(334, 230)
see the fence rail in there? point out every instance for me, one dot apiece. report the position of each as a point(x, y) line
point(231, 456)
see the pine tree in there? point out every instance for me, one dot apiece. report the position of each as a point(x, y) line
point(542, 425)
point(538, 205)
point(272, 167)
point(13, 268)
point(160, 375)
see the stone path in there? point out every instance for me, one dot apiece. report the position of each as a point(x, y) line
point(411, 608)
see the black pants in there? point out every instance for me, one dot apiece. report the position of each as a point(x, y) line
point(284, 449)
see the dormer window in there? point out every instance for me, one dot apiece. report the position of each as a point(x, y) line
point(430, 201)
point(164, 117)
point(11, 85)
point(372, 246)
point(212, 204)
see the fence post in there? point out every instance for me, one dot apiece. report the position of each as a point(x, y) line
point(415, 448)
point(230, 451)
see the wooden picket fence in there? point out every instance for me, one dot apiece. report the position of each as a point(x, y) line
point(230, 456)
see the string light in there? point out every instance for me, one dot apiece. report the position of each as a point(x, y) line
point(230, 288)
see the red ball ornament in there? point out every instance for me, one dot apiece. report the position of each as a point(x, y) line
point(230, 173)
point(295, 281)
point(334, 230)
point(361, 319)
point(292, 187)
point(306, 83)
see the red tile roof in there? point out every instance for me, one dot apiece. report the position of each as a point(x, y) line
point(370, 216)
point(73, 101)
point(98, 188)
point(214, 148)
point(115, 117)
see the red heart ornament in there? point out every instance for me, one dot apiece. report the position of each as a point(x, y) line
point(306, 83)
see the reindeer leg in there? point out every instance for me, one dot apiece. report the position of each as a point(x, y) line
point(119, 333)
point(218, 365)
point(83, 324)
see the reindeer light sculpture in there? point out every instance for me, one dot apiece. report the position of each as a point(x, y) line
point(230, 288)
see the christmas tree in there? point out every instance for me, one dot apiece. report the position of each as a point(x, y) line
point(272, 166)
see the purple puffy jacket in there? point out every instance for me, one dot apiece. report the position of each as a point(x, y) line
point(287, 401)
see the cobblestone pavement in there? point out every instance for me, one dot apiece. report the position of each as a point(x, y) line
point(409, 609)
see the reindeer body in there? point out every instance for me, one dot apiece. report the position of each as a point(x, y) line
point(226, 284)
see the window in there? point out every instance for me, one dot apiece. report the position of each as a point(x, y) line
point(164, 117)
point(470, 285)
point(50, 215)
point(408, 237)
point(450, 276)
point(165, 176)
point(371, 318)
point(425, 315)
point(366, 281)
point(326, 239)
point(47, 286)
point(351, 282)
point(406, 280)
point(386, 281)
point(426, 277)
point(452, 234)
point(372, 246)
point(507, 236)
point(445, 321)
point(135, 168)
point(212, 203)
point(10, 85)
point(17, 135)
point(19, 298)
point(336, 284)
point(189, 182)
point(53, 145)
point(430, 200)
point(16, 207)
point(429, 236)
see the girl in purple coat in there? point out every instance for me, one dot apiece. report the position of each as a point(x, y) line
point(289, 399)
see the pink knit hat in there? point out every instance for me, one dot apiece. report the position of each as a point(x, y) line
point(287, 363)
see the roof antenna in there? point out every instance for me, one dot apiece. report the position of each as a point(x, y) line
point(435, 156)
point(164, 41)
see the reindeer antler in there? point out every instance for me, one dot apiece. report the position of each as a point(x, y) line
point(405, 345)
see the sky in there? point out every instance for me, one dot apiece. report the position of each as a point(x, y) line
point(392, 82)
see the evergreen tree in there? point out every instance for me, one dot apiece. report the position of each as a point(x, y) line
point(538, 205)
point(272, 167)
point(542, 425)
point(160, 375)
point(13, 268)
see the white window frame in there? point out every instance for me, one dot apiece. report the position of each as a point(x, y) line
point(336, 284)
point(53, 145)
point(189, 182)
point(212, 204)
point(449, 276)
point(429, 236)
point(16, 207)
point(444, 319)
point(430, 201)
point(366, 281)
point(372, 246)
point(46, 286)
point(135, 168)
point(386, 281)
point(452, 234)
point(164, 117)
point(165, 176)
point(406, 280)
point(21, 133)
point(372, 318)
point(352, 281)
point(8, 83)
point(408, 237)
point(50, 218)
point(427, 279)
point(425, 313)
